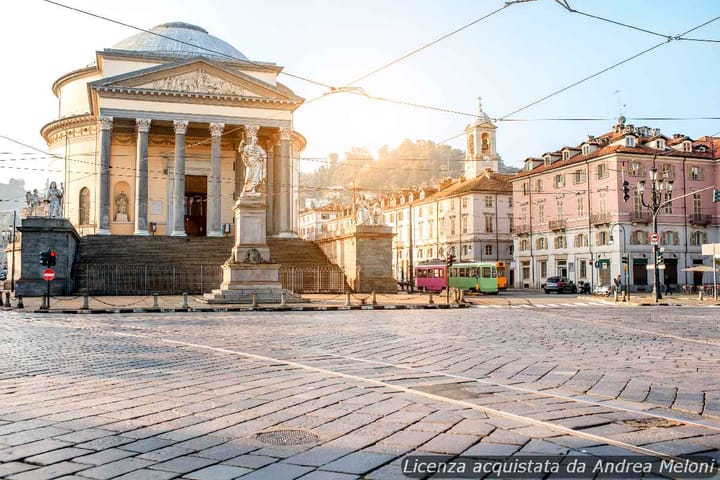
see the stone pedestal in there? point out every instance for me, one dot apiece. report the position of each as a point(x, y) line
point(41, 234)
point(249, 270)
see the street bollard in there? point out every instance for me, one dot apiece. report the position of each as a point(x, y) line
point(20, 303)
point(7, 299)
point(462, 296)
point(374, 300)
point(43, 303)
point(155, 301)
point(348, 302)
point(283, 300)
point(624, 297)
point(185, 303)
point(254, 300)
point(430, 299)
point(86, 302)
point(1, 300)
point(700, 295)
point(615, 295)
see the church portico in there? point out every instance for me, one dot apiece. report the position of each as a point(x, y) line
point(164, 121)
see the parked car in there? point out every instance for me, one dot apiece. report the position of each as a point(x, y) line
point(604, 290)
point(559, 285)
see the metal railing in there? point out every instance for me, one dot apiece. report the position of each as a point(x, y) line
point(194, 279)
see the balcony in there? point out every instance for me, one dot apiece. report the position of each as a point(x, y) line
point(640, 217)
point(700, 220)
point(521, 229)
point(600, 218)
point(557, 225)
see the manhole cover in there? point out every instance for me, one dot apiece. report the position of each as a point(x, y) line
point(286, 437)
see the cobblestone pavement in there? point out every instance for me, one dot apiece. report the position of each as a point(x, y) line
point(210, 396)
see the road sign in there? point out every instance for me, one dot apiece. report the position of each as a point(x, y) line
point(597, 264)
point(48, 274)
point(654, 238)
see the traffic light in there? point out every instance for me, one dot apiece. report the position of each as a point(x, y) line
point(45, 258)
point(716, 195)
point(450, 260)
point(626, 190)
point(660, 259)
point(52, 258)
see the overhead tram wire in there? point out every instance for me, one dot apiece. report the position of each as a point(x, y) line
point(429, 44)
point(574, 84)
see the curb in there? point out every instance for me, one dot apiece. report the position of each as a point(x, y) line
point(319, 308)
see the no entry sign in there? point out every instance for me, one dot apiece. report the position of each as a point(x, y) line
point(48, 274)
point(654, 238)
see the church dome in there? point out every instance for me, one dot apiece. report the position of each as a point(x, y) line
point(179, 39)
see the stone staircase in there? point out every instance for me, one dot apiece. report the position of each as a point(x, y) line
point(115, 263)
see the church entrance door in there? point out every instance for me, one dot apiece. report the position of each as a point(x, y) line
point(195, 205)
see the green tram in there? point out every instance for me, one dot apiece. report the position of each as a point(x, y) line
point(474, 277)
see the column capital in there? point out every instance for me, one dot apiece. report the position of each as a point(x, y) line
point(105, 123)
point(216, 129)
point(251, 130)
point(180, 126)
point(143, 124)
point(285, 133)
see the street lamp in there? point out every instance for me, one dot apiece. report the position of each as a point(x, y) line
point(625, 270)
point(658, 187)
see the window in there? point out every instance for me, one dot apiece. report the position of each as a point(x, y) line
point(670, 238)
point(586, 149)
point(548, 159)
point(511, 250)
point(464, 223)
point(560, 210)
point(510, 202)
point(510, 222)
point(602, 196)
point(629, 141)
point(452, 225)
point(602, 238)
point(538, 185)
point(325, 216)
point(431, 228)
point(464, 202)
point(581, 240)
point(488, 201)
point(400, 216)
point(687, 146)
point(523, 215)
point(696, 173)
point(524, 245)
point(602, 171)
point(543, 269)
point(541, 213)
point(560, 242)
point(541, 243)
point(579, 176)
point(559, 181)
point(488, 250)
point(668, 198)
point(583, 269)
point(636, 169)
point(667, 170)
point(637, 205)
point(565, 155)
point(580, 206)
point(660, 144)
point(639, 237)
point(698, 238)
point(525, 188)
point(489, 221)
point(697, 206)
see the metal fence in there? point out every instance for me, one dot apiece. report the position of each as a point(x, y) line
point(194, 279)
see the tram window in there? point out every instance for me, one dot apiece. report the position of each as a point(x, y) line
point(486, 272)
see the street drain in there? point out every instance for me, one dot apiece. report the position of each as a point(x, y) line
point(287, 437)
point(651, 422)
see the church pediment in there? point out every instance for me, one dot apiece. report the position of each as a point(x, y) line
point(198, 78)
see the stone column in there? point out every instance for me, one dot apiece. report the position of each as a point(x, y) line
point(178, 229)
point(141, 177)
point(106, 124)
point(285, 189)
point(271, 202)
point(214, 228)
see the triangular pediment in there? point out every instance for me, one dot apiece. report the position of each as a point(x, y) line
point(196, 78)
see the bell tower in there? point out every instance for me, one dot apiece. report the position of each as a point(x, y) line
point(481, 152)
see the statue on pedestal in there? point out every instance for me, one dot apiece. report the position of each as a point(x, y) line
point(33, 203)
point(254, 158)
point(54, 200)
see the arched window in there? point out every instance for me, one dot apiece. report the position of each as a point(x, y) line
point(84, 210)
point(541, 243)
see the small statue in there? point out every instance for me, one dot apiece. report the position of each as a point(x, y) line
point(377, 214)
point(33, 203)
point(362, 213)
point(254, 157)
point(54, 200)
point(122, 208)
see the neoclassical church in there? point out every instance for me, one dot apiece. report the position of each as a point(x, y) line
point(148, 136)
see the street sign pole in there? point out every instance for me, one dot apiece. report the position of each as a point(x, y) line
point(48, 275)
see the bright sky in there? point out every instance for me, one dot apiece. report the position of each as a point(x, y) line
point(515, 57)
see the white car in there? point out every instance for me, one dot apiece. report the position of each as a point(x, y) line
point(604, 290)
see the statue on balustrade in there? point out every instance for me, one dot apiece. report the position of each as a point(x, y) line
point(54, 200)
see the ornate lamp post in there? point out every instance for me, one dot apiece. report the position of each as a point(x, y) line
point(658, 187)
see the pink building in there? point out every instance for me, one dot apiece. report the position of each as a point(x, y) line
point(571, 219)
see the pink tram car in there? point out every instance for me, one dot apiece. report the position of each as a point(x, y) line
point(431, 277)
